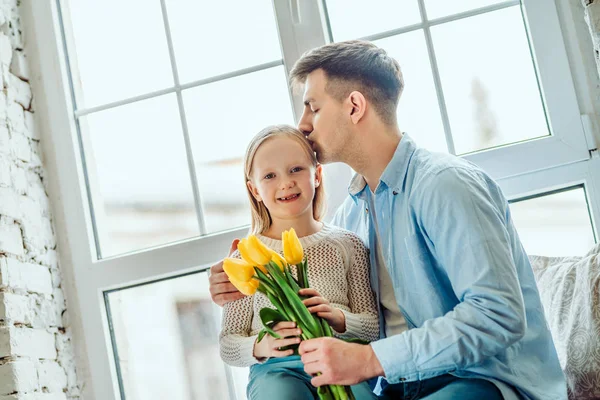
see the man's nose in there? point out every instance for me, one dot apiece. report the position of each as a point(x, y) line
point(304, 125)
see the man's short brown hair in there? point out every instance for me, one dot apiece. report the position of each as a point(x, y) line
point(355, 65)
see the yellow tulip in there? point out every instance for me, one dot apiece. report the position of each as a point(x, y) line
point(292, 249)
point(277, 259)
point(254, 251)
point(238, 269)
point(247, 288)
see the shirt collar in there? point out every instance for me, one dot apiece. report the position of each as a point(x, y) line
point(393, 174)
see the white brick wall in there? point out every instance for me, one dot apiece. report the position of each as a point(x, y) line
point(592, 17)
point(36, 356)
point(18, 376)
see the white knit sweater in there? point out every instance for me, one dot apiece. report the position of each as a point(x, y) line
point(338, 268)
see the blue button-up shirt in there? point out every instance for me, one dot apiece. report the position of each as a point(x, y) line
point(460, 275)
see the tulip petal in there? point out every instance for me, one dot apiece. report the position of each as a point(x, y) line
point(247, 288)
point(238, 269)
point(292, 248)
point(277, 259)
point(263, 253)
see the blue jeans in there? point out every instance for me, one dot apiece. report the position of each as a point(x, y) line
point(284, 378)
point(443, 387)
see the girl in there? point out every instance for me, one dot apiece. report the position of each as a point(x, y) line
point(285, 188)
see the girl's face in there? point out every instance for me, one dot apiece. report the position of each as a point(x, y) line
point(283, 178)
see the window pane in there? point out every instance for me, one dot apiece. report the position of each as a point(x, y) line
point(554, 225)
point(442, 8)
point(222, 118)
point(353, 19)
point(143, 183)
point(166, 336)
point(210, 39)
point(114, 59)
point(418, 111)
point(489, 82)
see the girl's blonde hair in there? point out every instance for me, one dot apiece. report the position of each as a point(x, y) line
point(261, 218)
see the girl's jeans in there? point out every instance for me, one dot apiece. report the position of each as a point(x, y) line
point(284, 378)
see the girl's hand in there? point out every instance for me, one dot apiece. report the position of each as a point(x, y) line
point(269, 346)
point(320, 306)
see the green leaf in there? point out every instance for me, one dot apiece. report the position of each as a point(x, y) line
point(264, 279)
point(340, 392)
point(305, 272)
point(293, 347)
point(324, 393)
point(268, 315)
point(269, 318)
point(298, 308)
point(281, 307)
point(300, 273)
point(261, 335)
point(290, 278)
point(326, 328)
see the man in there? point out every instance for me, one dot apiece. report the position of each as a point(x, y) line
point(461, 314)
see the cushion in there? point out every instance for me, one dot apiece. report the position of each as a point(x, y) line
point(570, 292)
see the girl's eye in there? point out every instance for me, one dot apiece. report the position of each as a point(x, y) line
point(296, 169)
point(269, 176)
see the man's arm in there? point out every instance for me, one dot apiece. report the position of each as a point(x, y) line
point(221, 290)
point(464, 217)
point(473, 247)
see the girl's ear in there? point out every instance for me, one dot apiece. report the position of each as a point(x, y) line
point(318, 175)
point(254, 190)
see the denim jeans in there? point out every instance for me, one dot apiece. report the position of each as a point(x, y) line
point(284, 378)
point(443, 387)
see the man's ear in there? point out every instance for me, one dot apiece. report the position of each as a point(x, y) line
point(358, 104)
point(318, 175)
point(254, 190)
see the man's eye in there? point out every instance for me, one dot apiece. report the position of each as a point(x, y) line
point(314, 111)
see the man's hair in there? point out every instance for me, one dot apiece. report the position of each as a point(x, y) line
point(355, 65)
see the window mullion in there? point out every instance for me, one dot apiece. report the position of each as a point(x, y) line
point(184, 125)
point(436, 79)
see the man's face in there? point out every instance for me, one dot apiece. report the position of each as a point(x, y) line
point(322, 120)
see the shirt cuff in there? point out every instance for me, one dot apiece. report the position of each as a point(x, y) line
point(396, 358)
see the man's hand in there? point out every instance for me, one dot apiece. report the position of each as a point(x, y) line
point(320, 306)
point(269, 346)
point(339, 362)
point(221, 290)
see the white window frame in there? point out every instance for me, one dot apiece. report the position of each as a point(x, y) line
point(560, 160)
point(539, 183)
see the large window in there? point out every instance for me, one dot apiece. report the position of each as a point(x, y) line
point(165, 109)
point(152, 103)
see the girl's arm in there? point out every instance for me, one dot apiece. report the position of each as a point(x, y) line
point(235, 342)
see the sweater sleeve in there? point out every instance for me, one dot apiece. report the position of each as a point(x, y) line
point(362, 320)
point(235, 342)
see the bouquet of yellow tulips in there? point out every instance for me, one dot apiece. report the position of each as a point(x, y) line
point(265, 270)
